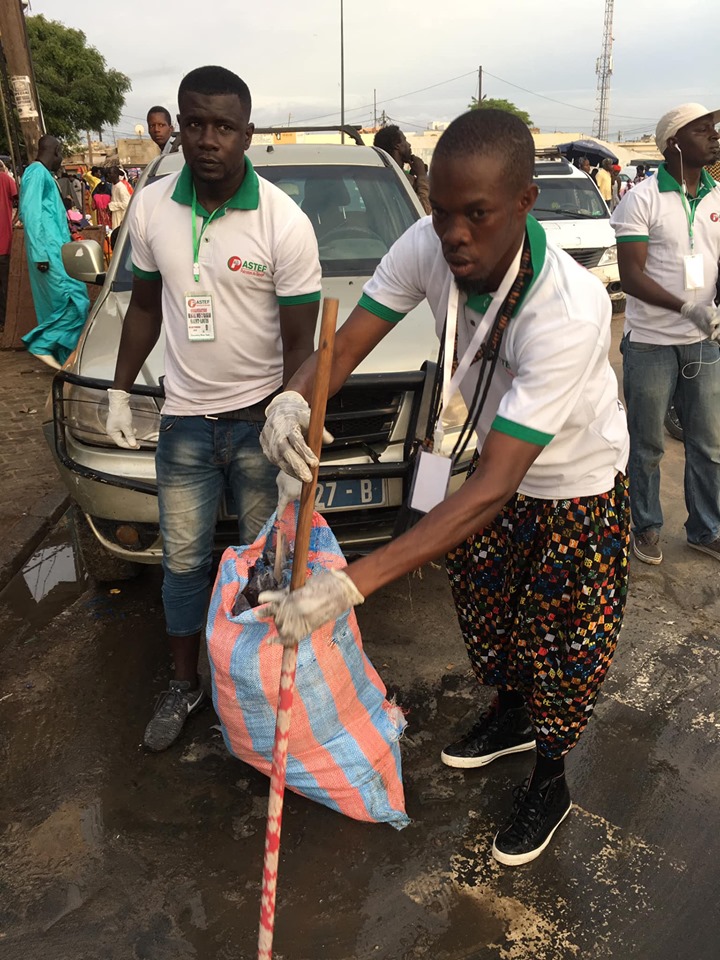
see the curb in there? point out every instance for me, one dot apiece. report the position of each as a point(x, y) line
point(29, 532)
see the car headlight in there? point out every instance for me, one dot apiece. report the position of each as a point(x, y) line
point(609, 257)
point(86, 412)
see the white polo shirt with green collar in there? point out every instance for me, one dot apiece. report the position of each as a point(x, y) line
point(653, 213)
point(257, 254)
point(553, 384)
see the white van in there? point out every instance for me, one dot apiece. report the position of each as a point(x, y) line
point(576, 218)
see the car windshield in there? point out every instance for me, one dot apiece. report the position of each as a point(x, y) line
point(357, 213)
point(565, 199)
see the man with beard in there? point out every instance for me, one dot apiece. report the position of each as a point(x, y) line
point(668, 243)
point(537, 537)
point(228, 264)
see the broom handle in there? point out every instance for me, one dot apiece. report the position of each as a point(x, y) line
point(321, 386)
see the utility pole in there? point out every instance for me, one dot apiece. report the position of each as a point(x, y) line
point(604, 69)
point(375, 109)
point(479, 84)
point(20, 73)
point(342, 71)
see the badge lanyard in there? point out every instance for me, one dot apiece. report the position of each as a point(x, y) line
point(690, 214)
point(197, 240)
point(451, 381)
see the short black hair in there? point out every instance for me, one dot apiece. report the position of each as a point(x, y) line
point(48, 142)
point(488, 131)
point(387, 138)
point(640, 166)
point(163, 110)
point(215, 81)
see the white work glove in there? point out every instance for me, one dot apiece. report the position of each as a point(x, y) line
point(289, 490)
point(323, 598)
point(119, 425)
point(705, 317)
point(283, 436)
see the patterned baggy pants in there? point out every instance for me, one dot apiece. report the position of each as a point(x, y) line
point(540, 594)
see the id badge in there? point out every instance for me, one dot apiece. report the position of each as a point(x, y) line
point(431, 481)
point(694, 272)
point(199, 317)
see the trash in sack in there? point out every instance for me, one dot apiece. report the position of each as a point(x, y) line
point(343, 747)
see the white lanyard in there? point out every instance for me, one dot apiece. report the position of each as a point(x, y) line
point(451, 382)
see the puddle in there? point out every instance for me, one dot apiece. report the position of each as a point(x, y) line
point(50, 580)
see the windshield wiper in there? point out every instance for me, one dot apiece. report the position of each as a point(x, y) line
point(566, 214)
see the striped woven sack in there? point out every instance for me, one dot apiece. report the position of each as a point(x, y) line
point(343, 749)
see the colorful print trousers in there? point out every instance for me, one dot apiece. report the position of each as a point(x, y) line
point(540, 594)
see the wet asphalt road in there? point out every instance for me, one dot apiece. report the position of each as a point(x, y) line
point(109, 852)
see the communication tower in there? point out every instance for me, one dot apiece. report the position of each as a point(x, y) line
point(604, 69)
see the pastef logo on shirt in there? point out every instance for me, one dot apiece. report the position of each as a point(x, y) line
point(248, 267)
point(715, 217)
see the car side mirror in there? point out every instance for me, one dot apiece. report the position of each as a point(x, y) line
point(83, 260)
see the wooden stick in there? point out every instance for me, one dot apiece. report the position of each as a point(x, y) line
point(289, 660)
point(279, 556)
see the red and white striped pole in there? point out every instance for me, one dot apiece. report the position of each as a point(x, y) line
point(289, 660)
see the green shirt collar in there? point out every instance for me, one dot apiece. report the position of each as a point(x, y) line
point(479, 302)
point(666, 182)
point(246, 197)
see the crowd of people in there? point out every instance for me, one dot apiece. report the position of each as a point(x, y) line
point(538, 538)
point(56, 205)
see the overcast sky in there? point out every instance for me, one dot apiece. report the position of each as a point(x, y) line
point(289, 54)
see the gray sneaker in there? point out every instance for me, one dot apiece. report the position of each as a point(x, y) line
point(646, 547)
point(172, 709)
point(712, 549)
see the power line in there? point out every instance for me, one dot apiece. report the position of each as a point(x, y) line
point(562, 103)
point(400, 96)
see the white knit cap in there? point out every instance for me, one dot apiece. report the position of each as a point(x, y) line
point(677, 118)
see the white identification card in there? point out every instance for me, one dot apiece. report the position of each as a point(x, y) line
point(431, 481)
point(199, 315)
point(694, 272)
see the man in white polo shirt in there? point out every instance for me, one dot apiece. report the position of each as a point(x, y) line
point(537, 538)
point(228, 263)
point(668, 236)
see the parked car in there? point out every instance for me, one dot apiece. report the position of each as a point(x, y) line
point(576, 218)
point(359, 202)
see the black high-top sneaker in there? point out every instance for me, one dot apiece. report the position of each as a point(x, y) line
point(494, 735)
point(539, 809)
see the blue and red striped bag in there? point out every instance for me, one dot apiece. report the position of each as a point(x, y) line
point(343, 747)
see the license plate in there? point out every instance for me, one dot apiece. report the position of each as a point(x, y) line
point(340, 494)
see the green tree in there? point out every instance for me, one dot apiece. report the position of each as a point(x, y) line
point(76, 88)
point(490, 104)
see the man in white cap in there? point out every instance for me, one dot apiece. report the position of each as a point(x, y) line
point(668, 236)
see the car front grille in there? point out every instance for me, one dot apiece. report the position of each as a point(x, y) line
point(361, 413)
point(589, 257)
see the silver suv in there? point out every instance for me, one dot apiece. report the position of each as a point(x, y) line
point(359, 203)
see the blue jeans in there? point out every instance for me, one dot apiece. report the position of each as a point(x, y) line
point(196, 460)
point(654, 375)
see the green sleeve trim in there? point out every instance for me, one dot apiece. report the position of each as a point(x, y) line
point(632, 239)
point(520, 432)
point(379, 309)
point(146, 274)
point(300, 298)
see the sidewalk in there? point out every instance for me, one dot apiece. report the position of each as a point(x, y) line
point(33, 497)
